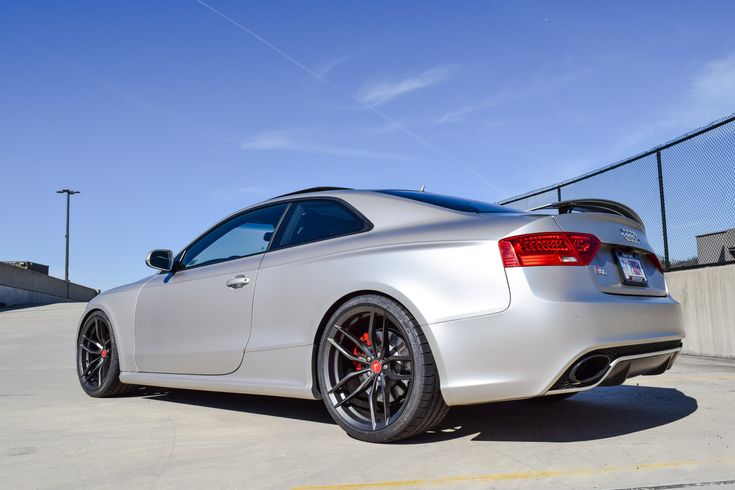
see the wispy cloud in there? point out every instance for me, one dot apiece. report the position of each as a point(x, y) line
point(504, 97)
point(290, 141)
point(716, 80)
point(538, 87)
point(394, 126)
point(709, 95)
point(411, 134)
point(378, 93)
point(323, 68)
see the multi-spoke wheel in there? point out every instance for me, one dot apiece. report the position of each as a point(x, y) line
point(97, 362)
point(376, 373)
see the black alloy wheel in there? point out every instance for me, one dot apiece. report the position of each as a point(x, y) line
point(376, 372)
point(98, 366)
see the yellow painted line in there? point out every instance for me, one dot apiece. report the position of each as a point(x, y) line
point(525, 475)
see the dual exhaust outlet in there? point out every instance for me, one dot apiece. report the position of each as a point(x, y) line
point(589, 370)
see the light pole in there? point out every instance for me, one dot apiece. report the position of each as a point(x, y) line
point(68, 193)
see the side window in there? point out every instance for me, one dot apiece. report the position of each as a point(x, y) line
point(313, 220)
point(243, 235)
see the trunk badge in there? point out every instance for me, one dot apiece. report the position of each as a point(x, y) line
point(600, 270)
point(630, 235)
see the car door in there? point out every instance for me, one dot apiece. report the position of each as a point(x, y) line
point(197, 319)
point(297, 274)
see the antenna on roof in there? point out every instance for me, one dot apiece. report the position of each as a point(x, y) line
point(422, 188)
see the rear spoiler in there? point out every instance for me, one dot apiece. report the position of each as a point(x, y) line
point(592, 206)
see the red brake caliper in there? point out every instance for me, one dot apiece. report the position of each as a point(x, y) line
point(358, 353)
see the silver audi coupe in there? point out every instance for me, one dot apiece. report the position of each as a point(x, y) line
point(391, 306)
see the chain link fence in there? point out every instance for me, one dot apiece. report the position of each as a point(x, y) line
point(684, 190)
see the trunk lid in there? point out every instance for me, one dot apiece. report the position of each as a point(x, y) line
point(622, 261)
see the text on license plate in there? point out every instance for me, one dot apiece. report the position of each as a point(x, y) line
point(630, 266)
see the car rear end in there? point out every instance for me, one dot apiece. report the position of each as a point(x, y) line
point(589, 306)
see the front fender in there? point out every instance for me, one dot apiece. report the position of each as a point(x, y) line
point(119, 306)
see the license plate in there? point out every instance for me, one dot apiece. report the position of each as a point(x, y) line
point(631, 268)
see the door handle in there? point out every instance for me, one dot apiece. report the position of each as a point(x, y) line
point(237, 282)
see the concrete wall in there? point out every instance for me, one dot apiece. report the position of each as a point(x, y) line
point(21, 286)
point(708, 298)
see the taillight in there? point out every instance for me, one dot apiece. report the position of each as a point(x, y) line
point(654, 258)
point(539, 249)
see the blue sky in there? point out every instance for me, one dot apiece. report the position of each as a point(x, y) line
point(169, 115)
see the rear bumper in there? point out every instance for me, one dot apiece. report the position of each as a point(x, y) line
point(624, 367)
point(525, 350)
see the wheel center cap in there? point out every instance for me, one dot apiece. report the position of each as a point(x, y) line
point(375, 367)
point(104, 353)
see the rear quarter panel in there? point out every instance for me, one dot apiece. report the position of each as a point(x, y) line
point(436, 281)
point(440, 265)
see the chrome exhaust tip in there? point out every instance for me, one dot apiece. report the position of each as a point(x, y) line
point(589, 369)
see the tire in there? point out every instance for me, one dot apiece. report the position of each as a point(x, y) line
point(358, 372)
point(98, 363)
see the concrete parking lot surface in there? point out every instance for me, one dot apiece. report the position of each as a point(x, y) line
point(673, 430)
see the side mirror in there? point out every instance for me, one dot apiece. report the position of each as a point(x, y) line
point(163, 260)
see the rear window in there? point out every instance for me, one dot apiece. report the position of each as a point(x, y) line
point(450, 202)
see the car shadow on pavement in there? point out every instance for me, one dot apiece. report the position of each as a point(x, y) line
point(596, 414)
point(292, 408)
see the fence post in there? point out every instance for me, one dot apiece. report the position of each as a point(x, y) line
point(558, 193)
point(667, 263)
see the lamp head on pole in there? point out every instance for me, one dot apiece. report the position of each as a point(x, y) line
point(67, 191)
